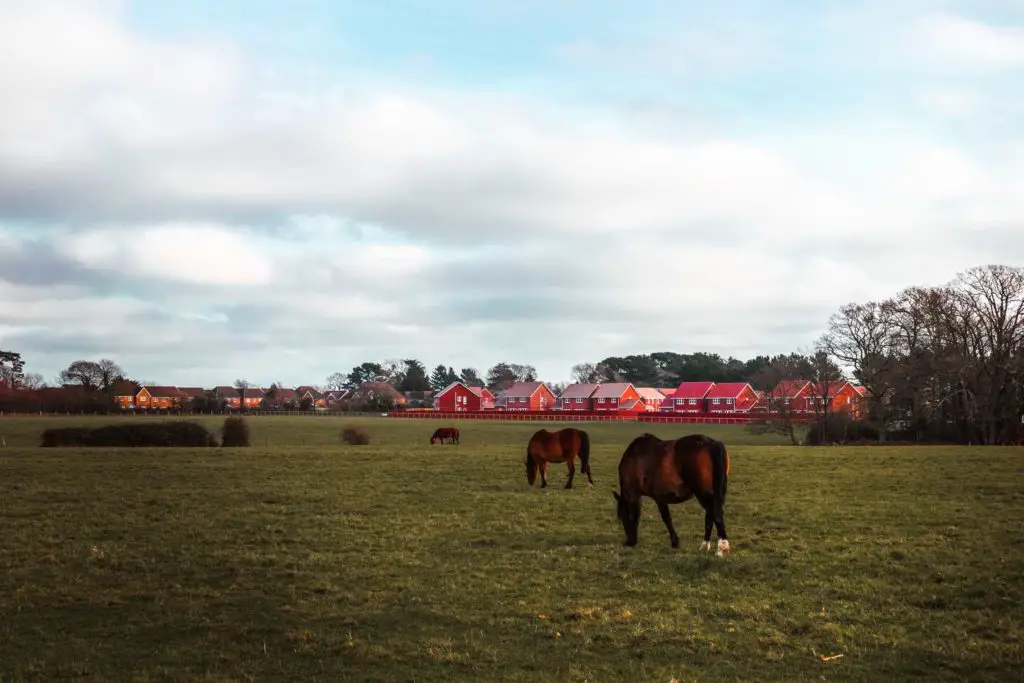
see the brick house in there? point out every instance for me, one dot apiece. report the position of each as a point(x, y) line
point(689, 397)
point(609, 397)
point(229, 395)
point(315, 396)
point(731, 397)
point(842, 396)
point(457, 397)
point(578, 397)
point(532, 396)
point(486, 397)
point(158, 398)
point(651, 398)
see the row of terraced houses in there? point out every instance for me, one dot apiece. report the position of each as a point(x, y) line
point(800, 396)
point(689, 398)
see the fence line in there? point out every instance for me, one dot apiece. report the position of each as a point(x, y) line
point(557, 416)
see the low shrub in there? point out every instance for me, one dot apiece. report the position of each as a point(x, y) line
point(235, 432)
point(355, 435)
point(167, 434)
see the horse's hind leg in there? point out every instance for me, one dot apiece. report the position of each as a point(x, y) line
point(666, 517)
point(723, 540)
point(572, 471)
point(543, 474)
point(709, 521)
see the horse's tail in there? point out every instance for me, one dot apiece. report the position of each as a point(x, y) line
point(719, 469)
point(584, 452)
point(531, 467)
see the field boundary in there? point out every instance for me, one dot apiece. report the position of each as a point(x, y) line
point(559, 416)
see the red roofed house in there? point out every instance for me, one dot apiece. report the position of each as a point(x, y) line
point(158, 398)
point(731, 397)
point(612, 396)
point(125, 392)
point(313, 394)
point(253, 397)
point(527, 396)
point(335, 396)
point(192, 392)
point(577, 397)
point(230, 395)
point(842, 396)
point(458, 397)
point(486, 397)
point(789, 395)
point(689, 397)
point(651, 398)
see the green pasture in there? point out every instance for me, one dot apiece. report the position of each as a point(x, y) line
point(302, 559)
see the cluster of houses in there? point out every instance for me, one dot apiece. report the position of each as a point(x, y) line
point(799, 396)
point(134, 397)
point(709, 398)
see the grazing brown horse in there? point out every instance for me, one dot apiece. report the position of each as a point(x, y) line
point(673, 471)
point(565, 445)
point(445, 433)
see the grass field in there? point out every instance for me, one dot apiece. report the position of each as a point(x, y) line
point(302, 559)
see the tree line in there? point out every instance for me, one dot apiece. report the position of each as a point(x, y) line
point(943, 363)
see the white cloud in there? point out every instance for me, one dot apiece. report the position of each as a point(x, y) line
point(196, 254)
point(452, 225)
point(960, 42)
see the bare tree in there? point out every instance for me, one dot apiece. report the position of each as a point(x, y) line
point(335, 381)
point(585, 373)
point(862, 337)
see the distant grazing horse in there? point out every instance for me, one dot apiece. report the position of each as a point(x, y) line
point(443, 434)
point(671, 472)
point(565, 445)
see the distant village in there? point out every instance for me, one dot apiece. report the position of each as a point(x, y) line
point(708, 398)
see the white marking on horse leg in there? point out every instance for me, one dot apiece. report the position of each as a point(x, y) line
point(706, 545)
point(723, 547)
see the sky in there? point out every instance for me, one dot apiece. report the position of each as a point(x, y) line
point(205, 191)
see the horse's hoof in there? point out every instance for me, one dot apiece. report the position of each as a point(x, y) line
point(706, 545)
point(723, 547)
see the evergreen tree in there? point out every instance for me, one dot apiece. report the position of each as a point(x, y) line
point(439, 378)
point(415, 377)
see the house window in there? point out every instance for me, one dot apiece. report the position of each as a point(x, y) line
point(579, 400)
point(693, 401)
point(714, 401)
point(680, 401)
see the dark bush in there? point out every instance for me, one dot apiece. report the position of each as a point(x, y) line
point(235, 432)
point(841, 430)
point(355, 436)
point(177, 433)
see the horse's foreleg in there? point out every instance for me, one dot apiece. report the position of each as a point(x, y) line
point(666, 517)
point(572, 471)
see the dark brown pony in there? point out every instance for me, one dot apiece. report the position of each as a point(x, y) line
point(565, 445)
point(673, 471)
point(445, 433)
